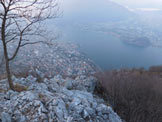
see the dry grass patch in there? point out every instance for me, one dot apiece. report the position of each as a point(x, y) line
point(20, 88)
point(2, 90)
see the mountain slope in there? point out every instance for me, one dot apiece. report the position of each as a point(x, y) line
point(94, 11)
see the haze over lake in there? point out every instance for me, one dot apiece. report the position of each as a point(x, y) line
point(89, 25)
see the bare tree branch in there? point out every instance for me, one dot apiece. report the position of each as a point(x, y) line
point(21, 19)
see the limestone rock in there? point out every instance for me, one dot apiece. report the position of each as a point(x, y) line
point(57, 99)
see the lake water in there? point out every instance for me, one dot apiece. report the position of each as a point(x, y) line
point(109, 52)
point(105, 50)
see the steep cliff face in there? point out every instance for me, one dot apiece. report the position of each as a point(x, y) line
point(60, 58)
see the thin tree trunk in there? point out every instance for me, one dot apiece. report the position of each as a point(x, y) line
point(7, 63)
point(8, 73)
point(3, 29)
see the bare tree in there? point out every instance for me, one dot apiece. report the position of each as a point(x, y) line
point(20, 21)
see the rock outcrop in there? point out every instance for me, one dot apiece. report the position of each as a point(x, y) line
point(65, 95)
point(55, 100)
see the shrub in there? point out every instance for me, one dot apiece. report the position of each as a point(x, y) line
point(136, 95)
point(157, 69)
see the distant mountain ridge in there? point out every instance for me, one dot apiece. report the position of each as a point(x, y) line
point(95, 11)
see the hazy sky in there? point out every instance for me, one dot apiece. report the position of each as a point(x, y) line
point(130, 3)
point(141, 3)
